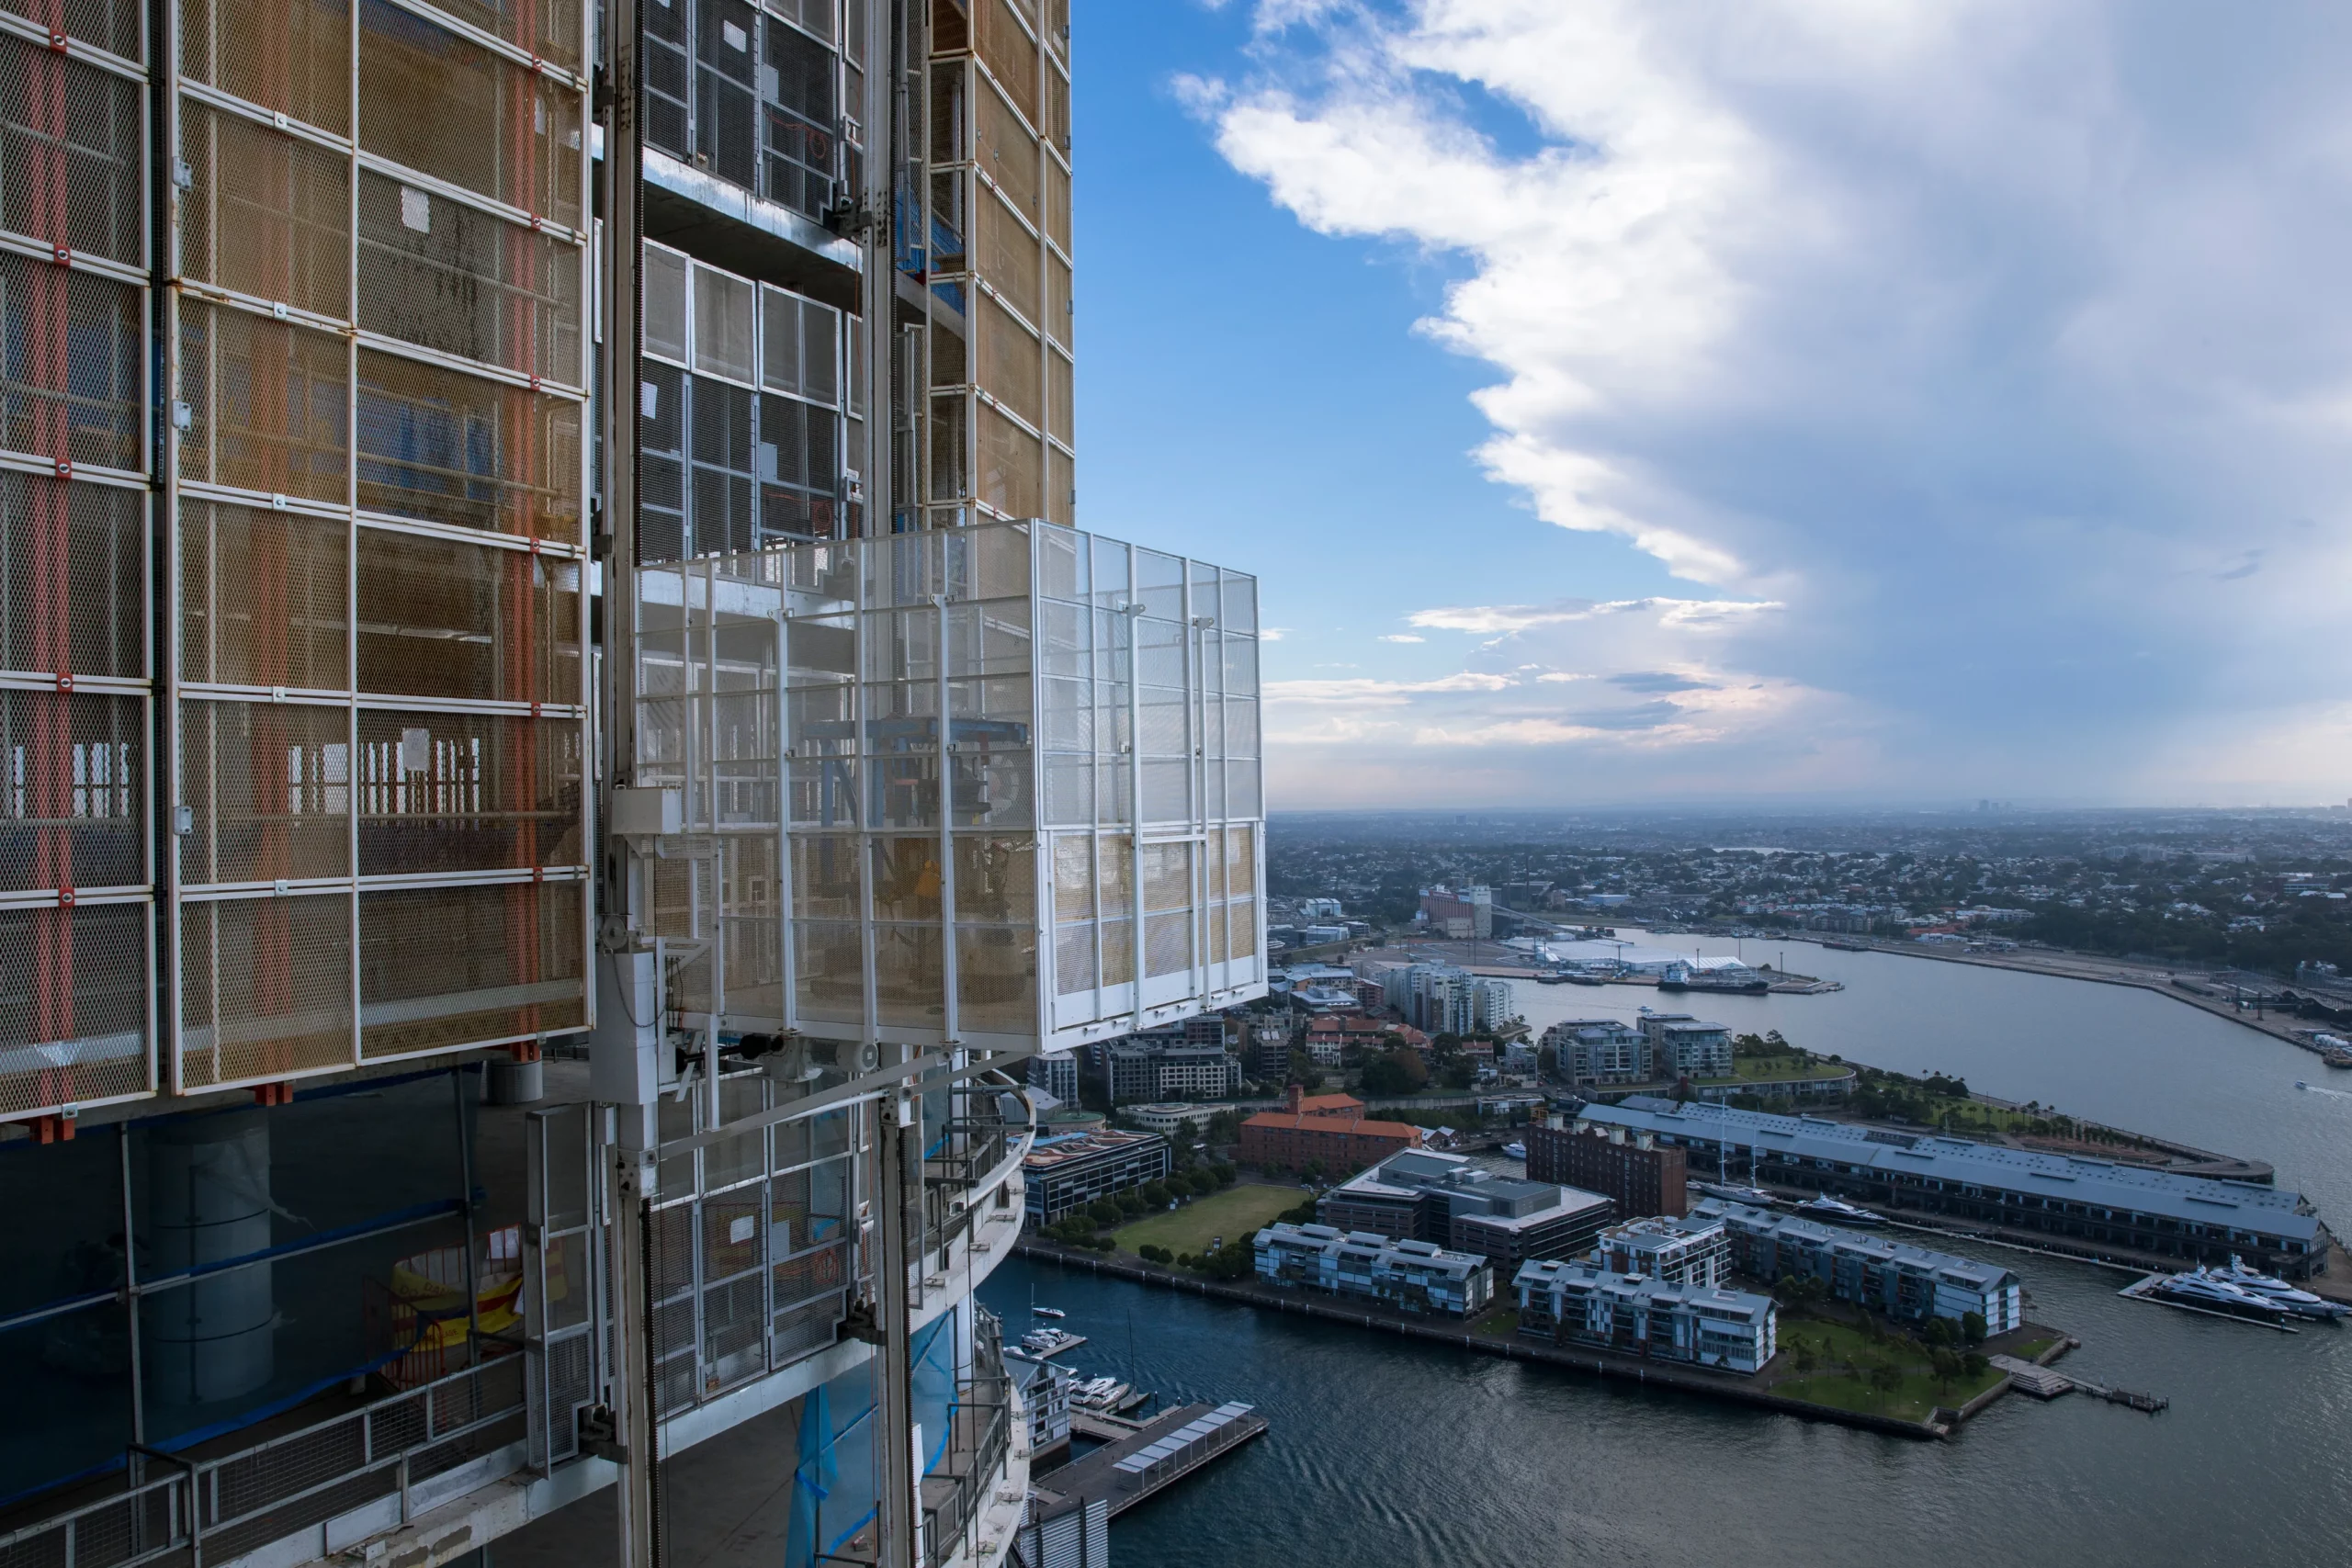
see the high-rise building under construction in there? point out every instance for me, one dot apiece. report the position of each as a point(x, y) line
point(559, 737)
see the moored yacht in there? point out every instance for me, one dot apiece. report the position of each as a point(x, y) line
point(2270, 1287)
point(2200, 1289)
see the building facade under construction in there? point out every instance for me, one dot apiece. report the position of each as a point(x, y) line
point(560, 737)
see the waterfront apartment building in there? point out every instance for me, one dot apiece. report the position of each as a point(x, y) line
point(1600, 1051)
point(1579, 1304)
point(1448, 1200)
point(1044, 1388)
point(1067, 1171)
point(1906, 1282)
point(1412, 1276)
point(2091, 1207)
point(1694, 1249)
point(1683, 1046)
point(1328, 1131)
point(1640, 1174)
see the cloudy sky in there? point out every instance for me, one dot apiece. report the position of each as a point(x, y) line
point(1803, 400)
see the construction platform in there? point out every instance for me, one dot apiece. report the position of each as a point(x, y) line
point(1137, 1460)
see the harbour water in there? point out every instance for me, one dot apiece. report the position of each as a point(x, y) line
point(1392, 1452)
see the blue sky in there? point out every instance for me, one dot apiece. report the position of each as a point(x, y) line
point(1811, 401)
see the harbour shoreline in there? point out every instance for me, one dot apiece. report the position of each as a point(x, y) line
point(1605, 1364)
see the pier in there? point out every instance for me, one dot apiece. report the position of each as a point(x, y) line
point(2042, 1382)
point(1138, 1460)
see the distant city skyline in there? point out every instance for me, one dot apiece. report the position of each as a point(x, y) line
point(1653, 403)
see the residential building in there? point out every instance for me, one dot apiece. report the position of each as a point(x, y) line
point(1903, 1281)
point(1044, 1389)
point(1321, 935)
point(1069, 1170)
point(1330, 1035)
point(1444, 999)
point(1055, 1072)
point(2092, 1207)
point(1412, 1276)
point(1299, 1135)
point(1319, 910)
point(1706, 1326)
point(1641, 1175)
point(1159, 1072)
point(1422, 1195)
point(1268, 1057)
point(1682, 1046)
point(1600, 1051)
point(1172, 1119)
point(1690, 1249)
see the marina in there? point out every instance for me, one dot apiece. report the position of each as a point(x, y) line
point(1046, 1343)
point(1137, 1460)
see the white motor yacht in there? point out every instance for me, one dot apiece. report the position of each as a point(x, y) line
point(2270, 1287)
point(2200, 1289)
point(1829, 1208)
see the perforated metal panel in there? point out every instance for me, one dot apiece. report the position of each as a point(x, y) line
point(73, 154)
point(451, 277)
point(264, 989)
point(73, 382)
point(268, 787)
point(263, 597)
point(74, 1028)
point(72, 561)
point(446, 446)
point(265, 213)
point(291, 57)
point(115, 26)
point(268, 404)
point(444, 967)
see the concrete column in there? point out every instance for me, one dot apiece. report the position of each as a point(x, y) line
point(209, 1199)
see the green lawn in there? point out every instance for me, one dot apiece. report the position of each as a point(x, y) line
point(1834, 1346)
point(1779, 1069)
point(1236, 1214)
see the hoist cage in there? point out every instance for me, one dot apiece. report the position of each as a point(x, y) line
point(1072, 853)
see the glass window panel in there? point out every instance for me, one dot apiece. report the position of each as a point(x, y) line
point(780, 345)
point(724, 308)
point(665, 302)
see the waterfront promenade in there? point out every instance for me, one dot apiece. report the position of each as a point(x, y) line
point(1491, 1335)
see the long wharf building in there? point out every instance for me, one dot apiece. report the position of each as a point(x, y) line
point(561, 749)
point(2089, 1202)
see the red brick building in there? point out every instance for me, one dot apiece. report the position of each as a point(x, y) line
point(1644, 1179)
point(1331, 1128)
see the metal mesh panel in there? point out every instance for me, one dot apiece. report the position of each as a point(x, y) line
point(1168, 943)
point(1010, 459)
point(1058, 323)
point(1005, 151)
point(264, 989)
point(445, 107)
point(1008, 256)
point(73, 154)
point(262, 597)
point(444, 275)
point(75, 346)
point(1010, 53)
point(268, 403)
point(111, 25)
point(444, 967)
point(548, 28)
point(1061, 402)
point(450, 447)
point(1009, 366)
point(73, 797)
point(1058, 203)
point(74, 573)
point(291, 56)
point(73, 1013)
point(442, 791)
point(269, 784)
point(448, 619)
point(1061, 486)
point(266, 214)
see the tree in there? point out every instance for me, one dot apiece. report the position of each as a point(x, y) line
point(1102, 1211)
point(1947, 1366)
point(1224, 1172)
point(1157, 1196)
point(1806, 1360)
point(1974, 1365)
point(1547, 1060)
point(1153, 1253)
point(1886, 1377)
point(1972, 1327)
point(1129, 1205)
point(1938, 1332)
point(1400, 1071)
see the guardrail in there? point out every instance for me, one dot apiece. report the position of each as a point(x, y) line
point(381, 1460)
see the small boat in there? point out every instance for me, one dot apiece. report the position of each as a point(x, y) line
point(1830, 1208)
point(1099, 1393)
point(1045, 1343)
point(2337, 1058)
point(1049, 1312)
point(1516, 1151)
point(2301, 1084)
